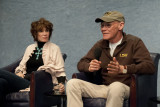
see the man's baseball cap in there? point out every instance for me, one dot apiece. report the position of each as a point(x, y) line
point(111, 16)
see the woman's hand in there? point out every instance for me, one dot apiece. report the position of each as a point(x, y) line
point(20, 74)
point(61, 88)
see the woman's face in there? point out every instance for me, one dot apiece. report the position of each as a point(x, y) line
point(43, 35)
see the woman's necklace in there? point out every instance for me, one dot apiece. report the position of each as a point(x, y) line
point(39, 52)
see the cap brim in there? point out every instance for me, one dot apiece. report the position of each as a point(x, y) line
point(104, 19)
point(98, 20)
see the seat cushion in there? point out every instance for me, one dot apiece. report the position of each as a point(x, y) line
point(18, 96)
point(94, 102)
point(99, 102)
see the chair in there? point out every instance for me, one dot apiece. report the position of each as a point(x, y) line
point(41, 82)
point(142, 88)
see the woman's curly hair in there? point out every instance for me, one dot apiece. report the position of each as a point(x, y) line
point(39, 25)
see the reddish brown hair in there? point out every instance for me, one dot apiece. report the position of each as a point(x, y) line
point(37, 26)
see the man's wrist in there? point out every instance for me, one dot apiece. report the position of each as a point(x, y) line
point(124, 69)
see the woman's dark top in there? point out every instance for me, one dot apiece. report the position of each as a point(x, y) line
point(35, 61)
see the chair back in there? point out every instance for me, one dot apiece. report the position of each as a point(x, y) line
point(11, 67)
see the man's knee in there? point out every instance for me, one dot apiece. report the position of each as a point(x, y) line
point(117, 88)
point(73, 84)
point(116, 84)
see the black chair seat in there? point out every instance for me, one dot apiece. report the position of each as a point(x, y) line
point(18, 96)
point(90, 102)
point(100, 102)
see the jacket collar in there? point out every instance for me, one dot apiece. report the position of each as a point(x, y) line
point(105, 43)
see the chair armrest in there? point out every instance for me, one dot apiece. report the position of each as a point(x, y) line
point(132, 99)
point(11, 67)
point(93, 77)
point(81, 76)
point(41, 83)
point(144, 86)
point(43, 80)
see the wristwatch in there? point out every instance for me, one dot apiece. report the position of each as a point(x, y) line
point(125, 69)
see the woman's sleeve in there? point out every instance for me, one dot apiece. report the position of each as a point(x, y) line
point(22, 65)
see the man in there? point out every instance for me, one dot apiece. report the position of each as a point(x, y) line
point(121, 55)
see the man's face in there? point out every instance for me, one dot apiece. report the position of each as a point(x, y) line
point(110, 30)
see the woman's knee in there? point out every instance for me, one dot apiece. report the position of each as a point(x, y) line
point(3, 84)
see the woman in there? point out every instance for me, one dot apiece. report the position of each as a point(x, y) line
point(42, 55)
